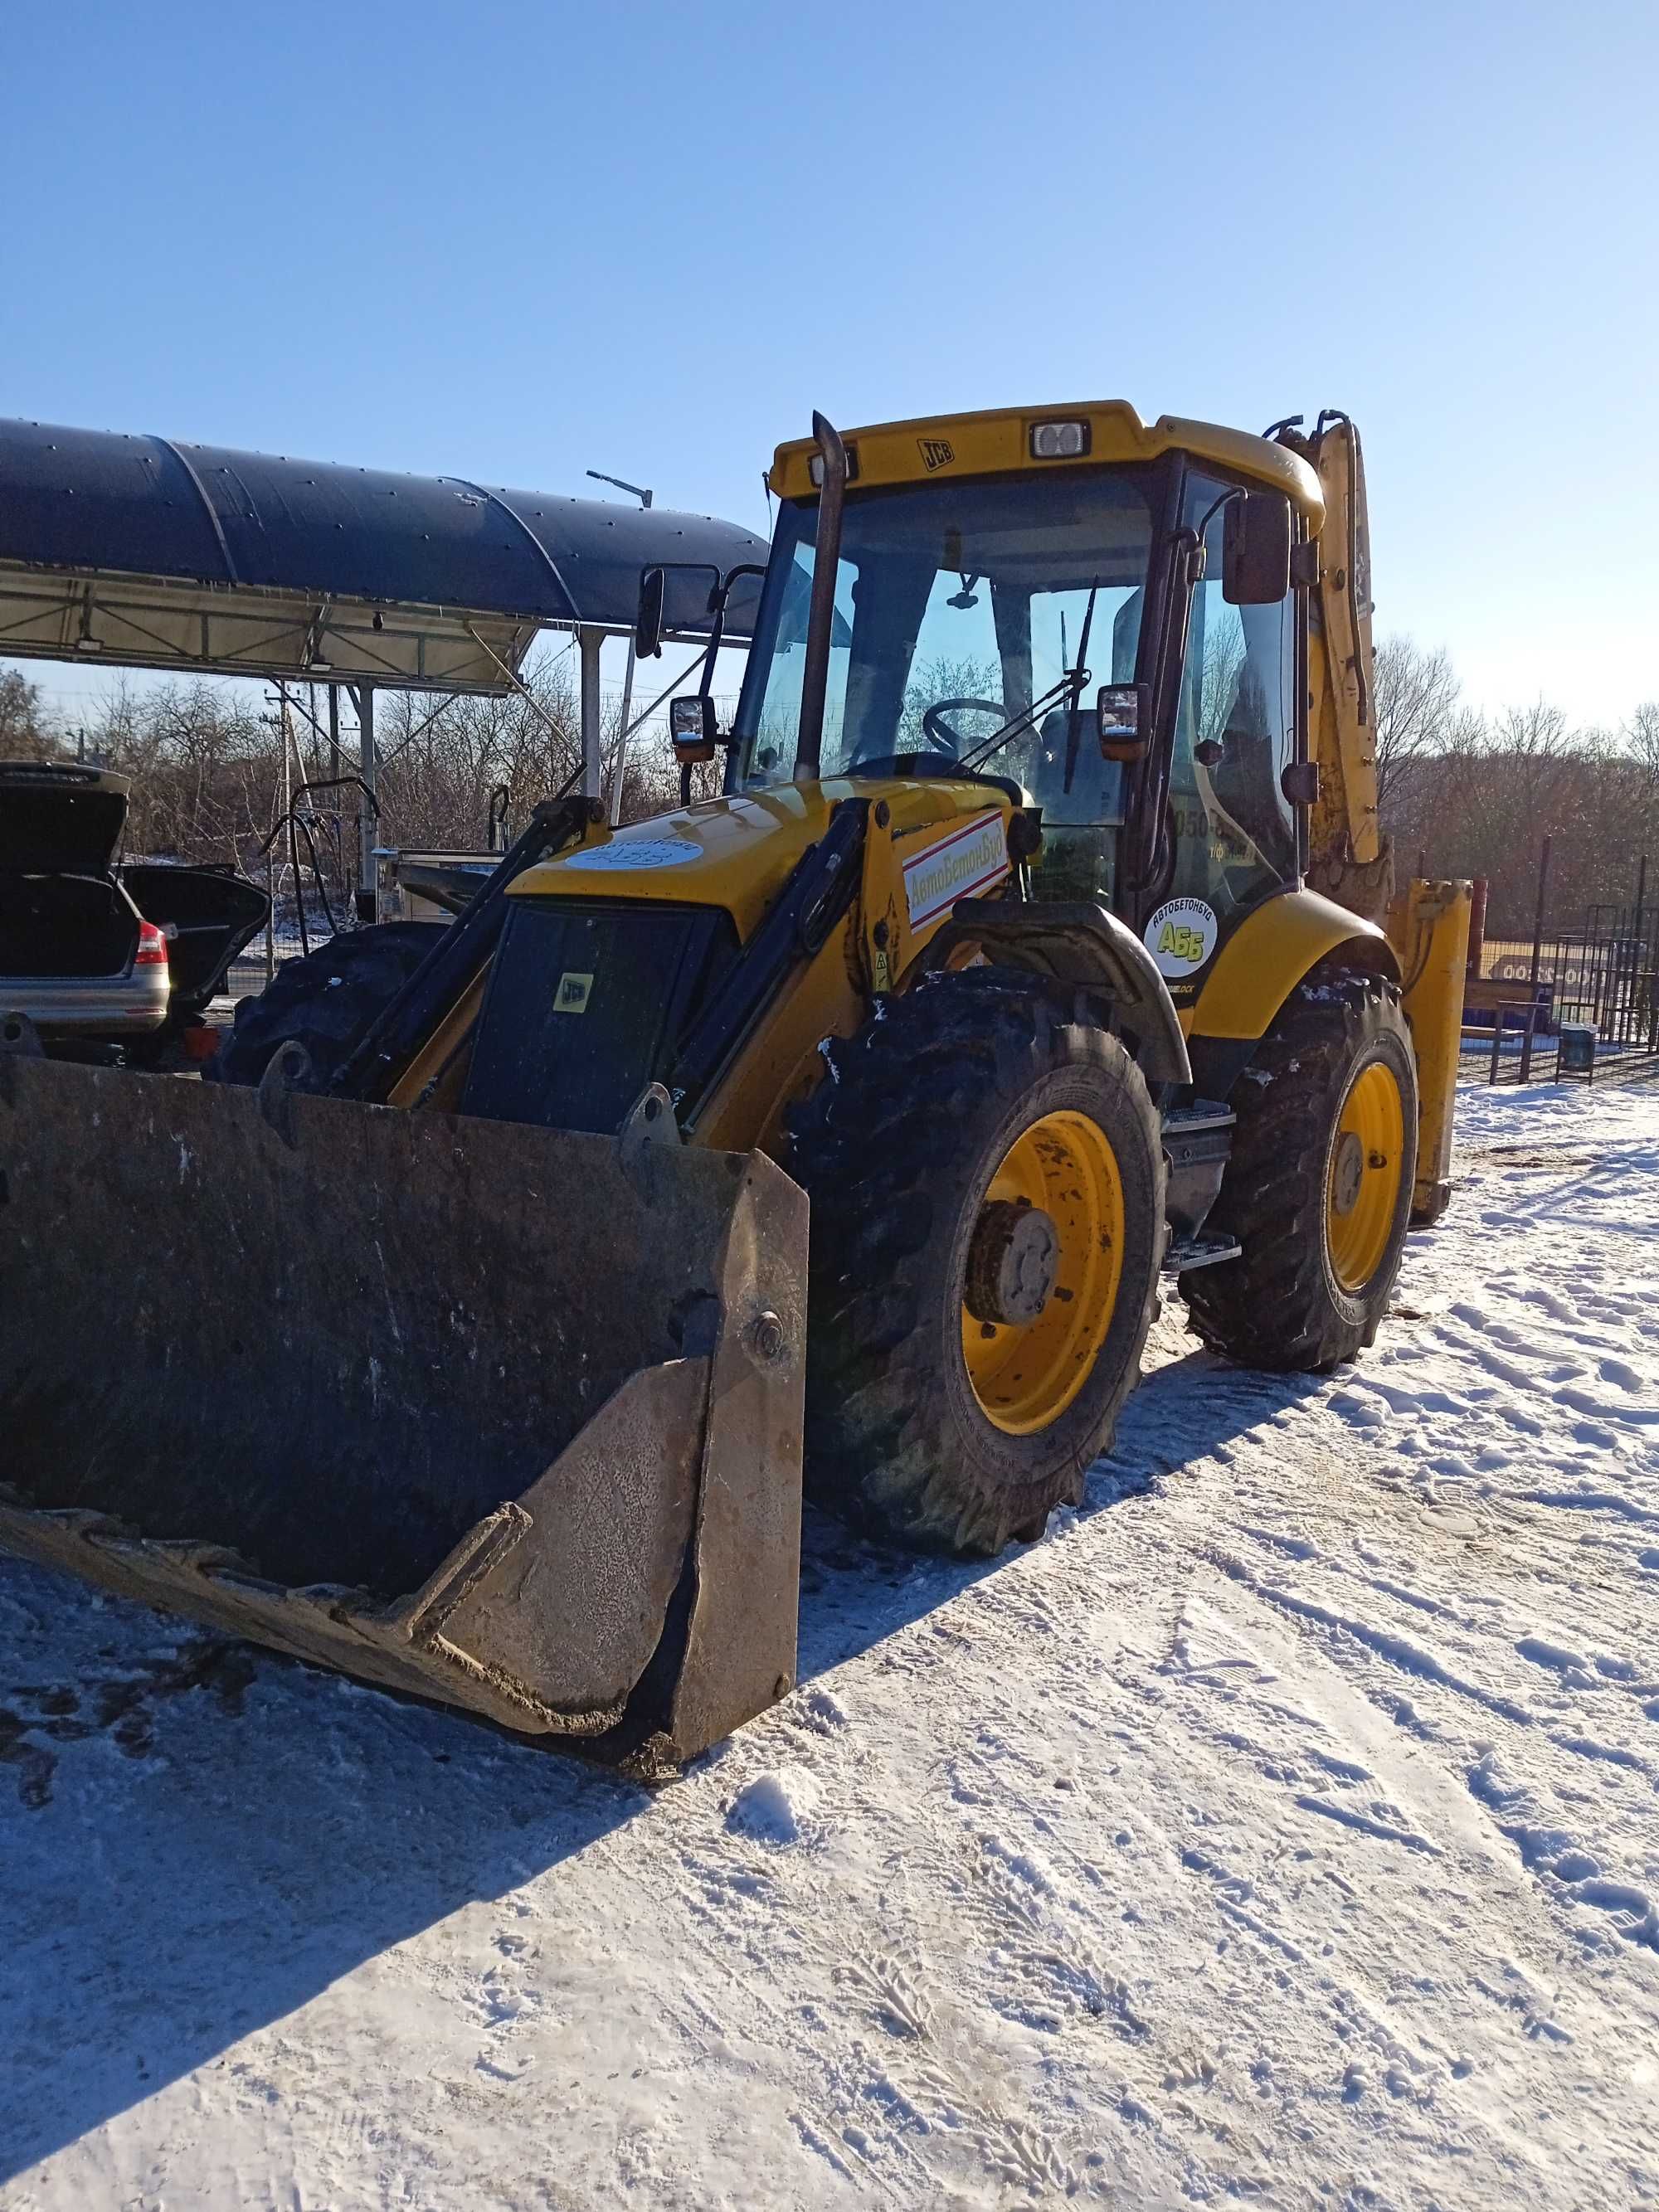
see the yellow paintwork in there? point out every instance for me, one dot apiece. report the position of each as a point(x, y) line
point(436, 1076)
point(442, 1061)
point(742, 848)
point(885, 932)
point(1342, 720)
point(740, 853)
point(782, 1062)
point(1268, 956)
point(1427, 923)
point(1429, 930)
point(1025, 1377)
point(997, 441)
point(1362, 1187)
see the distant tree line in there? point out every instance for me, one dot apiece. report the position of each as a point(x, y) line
point(1469, 794)
point(213, 764)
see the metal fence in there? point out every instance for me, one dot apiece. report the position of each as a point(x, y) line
point(1571, 1002)
point(253, 969)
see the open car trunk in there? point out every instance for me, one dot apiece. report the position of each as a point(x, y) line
point(65, 926)
point(208, 914)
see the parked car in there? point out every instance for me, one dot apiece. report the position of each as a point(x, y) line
point(94, 952)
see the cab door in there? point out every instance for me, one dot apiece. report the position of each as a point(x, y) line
point(1228, 839)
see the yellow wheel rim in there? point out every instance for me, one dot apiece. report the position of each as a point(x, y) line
point(1362, 1184)
point(1024, 1376)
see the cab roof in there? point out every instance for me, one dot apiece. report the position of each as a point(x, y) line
point(997, 440)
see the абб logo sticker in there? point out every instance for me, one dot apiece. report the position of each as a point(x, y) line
point(1180, 936)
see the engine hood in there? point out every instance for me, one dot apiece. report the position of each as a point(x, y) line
point(736, 853)
point(56, 816)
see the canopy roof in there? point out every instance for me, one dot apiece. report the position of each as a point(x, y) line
point(154, 554)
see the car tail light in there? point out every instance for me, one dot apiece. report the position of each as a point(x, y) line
point(152, 947)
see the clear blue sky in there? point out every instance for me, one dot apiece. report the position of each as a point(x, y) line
point(515, 241)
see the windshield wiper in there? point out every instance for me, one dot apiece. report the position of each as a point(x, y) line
point(1069, 688)
point(1017, 724)
point(1078, 677)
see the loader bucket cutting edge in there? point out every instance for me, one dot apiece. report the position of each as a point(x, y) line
point(469, 1409)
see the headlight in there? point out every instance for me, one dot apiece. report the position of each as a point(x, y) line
point(815, 466)
point(1058, 441)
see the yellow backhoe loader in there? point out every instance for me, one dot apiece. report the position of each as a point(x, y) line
point(474, 1329)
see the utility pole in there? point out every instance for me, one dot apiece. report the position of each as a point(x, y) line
point(368, 879)
point(1537, 919)
point(644, 498)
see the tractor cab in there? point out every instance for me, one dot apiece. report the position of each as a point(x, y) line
point(1097, 612)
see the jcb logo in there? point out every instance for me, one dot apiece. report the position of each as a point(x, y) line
point(573, 993)
point(1182, 943)
point(936, 452)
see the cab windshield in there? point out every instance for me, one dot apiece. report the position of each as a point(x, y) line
point(959, 607)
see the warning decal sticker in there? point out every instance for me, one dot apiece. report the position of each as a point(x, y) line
point(635, 852)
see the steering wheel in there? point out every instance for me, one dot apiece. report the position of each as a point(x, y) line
point(946, 741)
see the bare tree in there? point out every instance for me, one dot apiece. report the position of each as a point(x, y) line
point(1641, 736)
point(25, 733)
point(1417, 714)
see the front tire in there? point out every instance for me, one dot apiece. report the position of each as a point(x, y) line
point(987, 1181)
point(1318, 1189)
point(324, 1001)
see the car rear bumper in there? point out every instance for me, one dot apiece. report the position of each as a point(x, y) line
point(133, 1004)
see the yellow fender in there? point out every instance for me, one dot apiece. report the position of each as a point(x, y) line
point(1270, 952)
point(1425, 950)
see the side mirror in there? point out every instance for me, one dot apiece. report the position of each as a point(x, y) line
point(1124, 713)
point(1255, 549)
point(692, 729)
point(648, 623)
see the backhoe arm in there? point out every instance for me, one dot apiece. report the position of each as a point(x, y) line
point(1349, 859)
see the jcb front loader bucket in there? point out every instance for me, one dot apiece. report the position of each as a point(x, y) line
point(487, 1413)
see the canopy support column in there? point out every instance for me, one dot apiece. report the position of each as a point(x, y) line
point(368, 879)
point(590, 643)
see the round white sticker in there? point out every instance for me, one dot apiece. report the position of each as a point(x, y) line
point(1180, 936)
point(635, 853)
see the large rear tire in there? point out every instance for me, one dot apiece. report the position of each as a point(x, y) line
point(324, 1000)
point(987, 1181)
point(1318, 1189)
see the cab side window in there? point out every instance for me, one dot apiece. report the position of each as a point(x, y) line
point(1234, 733)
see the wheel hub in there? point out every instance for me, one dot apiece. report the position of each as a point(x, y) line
point(1347, 1172)
point(1014, 1263)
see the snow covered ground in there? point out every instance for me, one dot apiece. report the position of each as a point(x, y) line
point(1283, 1828)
